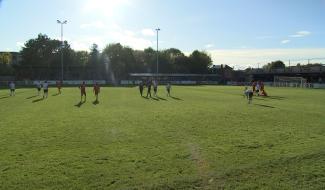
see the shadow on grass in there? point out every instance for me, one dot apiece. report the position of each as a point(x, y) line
point(96, 102)
point(260, 98)
point(145, 97)
point(56, 94)
point(154, 98)
point(275, 97)
point(31, 97)
point(160, 98)
point(264, 106)
point(38, 100)
point(79, 104)
point(4, 97)
point(175, 98)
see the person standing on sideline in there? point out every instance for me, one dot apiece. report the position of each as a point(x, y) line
point(149, 83)
point(38, 87)
point(141, 86)
point(82, 88)
point(155, 87)
point(45, 89)
point(12, 88)
point(168, 88)
point(96, 91)
point(59, 86)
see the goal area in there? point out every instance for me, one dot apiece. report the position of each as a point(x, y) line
point(285, 81)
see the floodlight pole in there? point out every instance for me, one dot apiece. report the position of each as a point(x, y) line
point(158, 29)
point(62, 43)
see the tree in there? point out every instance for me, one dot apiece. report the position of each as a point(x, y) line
point(41, 58)
point(199, 62)
point(274, 65)
point(121, 60)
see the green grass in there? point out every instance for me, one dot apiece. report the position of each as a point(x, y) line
point(208, 137)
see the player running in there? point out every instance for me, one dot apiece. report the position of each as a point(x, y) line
point(82, 88)
point(12, 88)
point(168, 88)
point(38, 87)
point(96, 90)
point(45, 89)
point(59, 86)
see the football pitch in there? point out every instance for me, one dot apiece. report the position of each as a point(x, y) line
point(204, 137)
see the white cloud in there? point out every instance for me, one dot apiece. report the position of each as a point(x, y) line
point(113, 34)
point(244, 58)
point(285, 41)
point(208, 46)
point(85, 42)
point(20, 44)
point(147, 32)
point(93, 25)
point(300, 34)
point(131, 39)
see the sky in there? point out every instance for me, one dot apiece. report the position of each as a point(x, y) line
point(239, 33)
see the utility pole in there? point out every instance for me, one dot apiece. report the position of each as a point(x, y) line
point(62, 44)
point(157, 71)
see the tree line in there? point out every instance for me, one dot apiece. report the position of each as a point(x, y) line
point(40, 59)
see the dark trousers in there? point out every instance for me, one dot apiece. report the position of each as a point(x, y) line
point(149, 92)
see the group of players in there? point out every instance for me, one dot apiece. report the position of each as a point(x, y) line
point(152, 83)
point(45, 86)
point(258, 88)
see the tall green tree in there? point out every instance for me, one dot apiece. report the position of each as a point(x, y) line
point(121, 60)
point(199, 62)
point(40, 58)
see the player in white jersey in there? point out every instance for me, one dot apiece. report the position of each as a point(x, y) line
point(168, 88)
point(12, 87)
point(250, 94)
point(39, 87)
point(46, 89)
point(258, 88)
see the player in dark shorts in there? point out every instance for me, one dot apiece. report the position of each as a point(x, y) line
point(250, 94)
point(149, 83)
point(38, 87)
point(168, 87)
point(96, 91)
point(141, 86)
point(155, 87)
point(45, 89)
point(12, 87)
point(82, 88)
point(59, 86)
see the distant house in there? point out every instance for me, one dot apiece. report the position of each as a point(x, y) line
point(15, 57)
